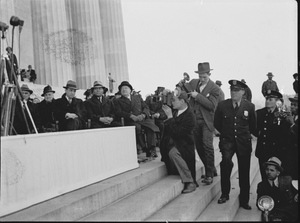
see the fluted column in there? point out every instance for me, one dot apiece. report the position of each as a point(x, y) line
point(88, 43)
point(114, 40)
point(52, 40)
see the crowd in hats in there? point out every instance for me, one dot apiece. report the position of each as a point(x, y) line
point(183, 121)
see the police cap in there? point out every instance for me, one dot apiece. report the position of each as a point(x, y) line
point(237, 85)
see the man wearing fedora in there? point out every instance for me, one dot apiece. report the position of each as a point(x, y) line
point(204, 100)
point(281, 190)
point(46, 110)
point(235, 119)
point(100, 109)
point(136, 113)
point(221, 93)
point(271, 131)
point(295, 83)
point(292, 139)
point(19, 122)
point(269, 84)
point(248, 93)
point(69, 110)
point(155, 102)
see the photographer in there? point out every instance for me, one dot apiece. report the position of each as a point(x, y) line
point(178, 149)
point(271, 132)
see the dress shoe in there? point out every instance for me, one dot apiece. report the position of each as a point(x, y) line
point(223, 199)
point(207, 180)
point(246, 206)
point(215, 174)
point(189, 187)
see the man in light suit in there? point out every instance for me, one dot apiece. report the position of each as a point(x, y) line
point(204, 99)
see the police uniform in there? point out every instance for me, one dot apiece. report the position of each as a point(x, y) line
point(270, 133)
point(235, 127)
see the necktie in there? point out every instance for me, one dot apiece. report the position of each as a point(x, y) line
point(236, 107)
point(70, 101)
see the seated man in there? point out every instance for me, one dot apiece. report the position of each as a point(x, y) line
point(70, 111)
point(281, 190)
point(46, 109)
point(100, 109)
point(178, 146)
point(19, 122)
point(155, 102)
point(135, 112)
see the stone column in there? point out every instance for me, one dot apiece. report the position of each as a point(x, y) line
point(52, 40)
point(88, 44)
point(114, 41)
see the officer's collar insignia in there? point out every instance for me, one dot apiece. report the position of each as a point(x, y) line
point(234, 82)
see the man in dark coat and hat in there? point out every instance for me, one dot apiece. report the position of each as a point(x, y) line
point(178, 149)
point(271, 131)
point(235, 119)
point(204, 100)
point(69, 110)
point(269, 84)
point(281, 190)
point(100, 109)
point(134, 111)
point(46, 110)
point(19, 122)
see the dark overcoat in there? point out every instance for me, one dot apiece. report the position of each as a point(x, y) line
point(19, 122)
point(271, 135)
point(136, 106)
point(62, 107)
point(46, 110)
point(283, 196)
point(96, 109)
point(235, 127)
point(178, 133)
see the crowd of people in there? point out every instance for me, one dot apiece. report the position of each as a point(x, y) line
point(186, 120)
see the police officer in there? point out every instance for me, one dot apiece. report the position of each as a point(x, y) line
point(235, 119)
point(270, 132)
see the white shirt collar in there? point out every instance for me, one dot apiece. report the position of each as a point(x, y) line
point(276, 183)
point(181, 111)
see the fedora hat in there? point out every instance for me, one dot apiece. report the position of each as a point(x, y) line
point(125, 83)
point(99, 84)
point(47, 89)
point(71, 84)
point(275, 162)
point(203, 68)
point(238, 85)
point(294, 99)
point(24, 87)
point(270, 74)
point(218, 82)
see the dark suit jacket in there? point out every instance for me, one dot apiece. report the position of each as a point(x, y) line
point(178, 133)
point(96, 109)
point(205, 102)
point(19, 122)
point(235, 127)
point(283, 196)
point(62, 107)
point(136, 106)
point(271, 137)
point(46, 111)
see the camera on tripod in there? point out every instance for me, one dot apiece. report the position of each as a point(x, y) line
point(3, 26)
point(15, 21)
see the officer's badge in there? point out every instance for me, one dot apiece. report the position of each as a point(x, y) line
point(207, 95)
point(234, 82)
point(246, 113)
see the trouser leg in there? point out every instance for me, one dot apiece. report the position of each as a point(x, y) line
point(244, 177)
point(226, 168)
point(181, 165)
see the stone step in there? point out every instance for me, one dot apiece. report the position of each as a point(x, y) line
point(186, 207)
point(142, 204)
point(255, 213)
point(227, 211)
point(84, 201)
